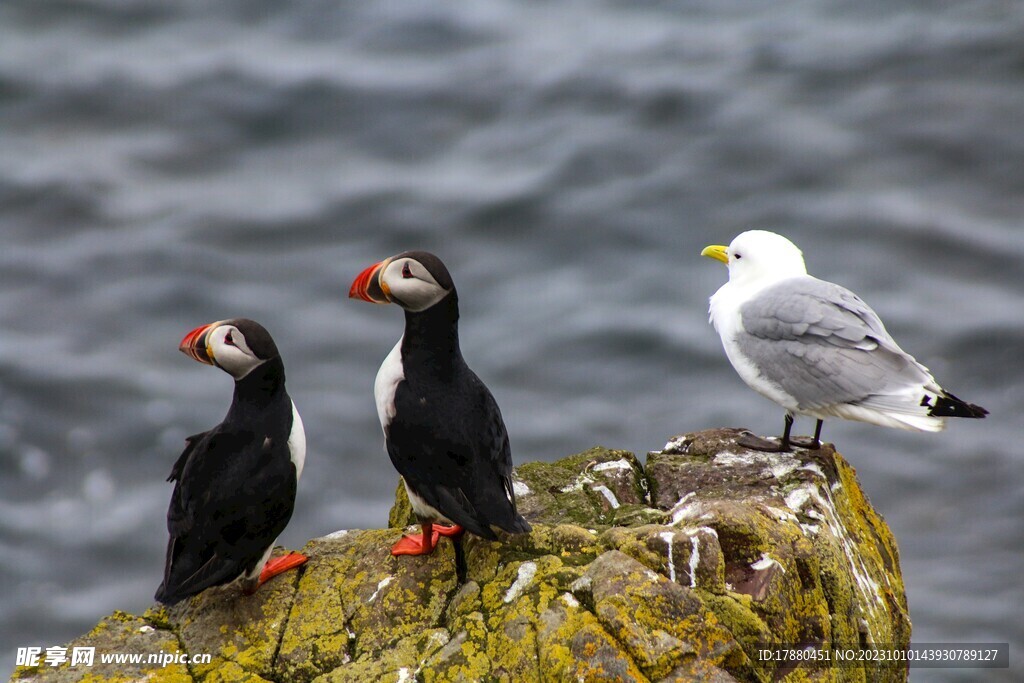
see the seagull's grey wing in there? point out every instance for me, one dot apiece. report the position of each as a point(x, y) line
point(823, 345)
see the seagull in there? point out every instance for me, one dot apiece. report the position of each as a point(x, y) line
point(815, 348)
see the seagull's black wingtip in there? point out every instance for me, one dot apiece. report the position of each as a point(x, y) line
point(949, 405)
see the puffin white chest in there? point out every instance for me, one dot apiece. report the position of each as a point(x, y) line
point(389, 376)
point(297, 442)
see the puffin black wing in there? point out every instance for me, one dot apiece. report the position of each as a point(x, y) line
point(234, 493)
point(179, 464)
point(452, 448)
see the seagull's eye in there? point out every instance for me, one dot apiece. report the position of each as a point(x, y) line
point(737, 256)
point(406, 271)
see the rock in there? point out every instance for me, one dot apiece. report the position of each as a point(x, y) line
point(681, 571)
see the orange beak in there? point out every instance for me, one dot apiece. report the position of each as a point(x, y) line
point(194, 346)
point(368, 285)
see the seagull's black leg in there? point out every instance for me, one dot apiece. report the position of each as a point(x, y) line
point(784, 446)
point(756, 443)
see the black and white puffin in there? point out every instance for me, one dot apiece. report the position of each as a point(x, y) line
point(234, 488)
point(443, 430)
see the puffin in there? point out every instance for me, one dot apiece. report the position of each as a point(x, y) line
point(442, 427)
point(815, 348)
point(234, 485)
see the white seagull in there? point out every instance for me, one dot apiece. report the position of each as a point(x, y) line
point(816, 348)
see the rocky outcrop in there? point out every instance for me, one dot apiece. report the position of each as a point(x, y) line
point(681, 570)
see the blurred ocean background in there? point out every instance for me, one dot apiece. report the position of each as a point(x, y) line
point(166, 163)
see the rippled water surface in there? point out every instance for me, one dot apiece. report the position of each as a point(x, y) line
point(164, 164)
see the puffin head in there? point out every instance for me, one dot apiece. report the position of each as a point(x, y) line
point(236, 346)
point(415, 280)
point(757, 255)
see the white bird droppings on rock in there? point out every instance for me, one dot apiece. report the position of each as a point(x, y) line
point(527, 570)
point(706, 529)
point(622, 464)
point(676, 444)
point(797, 498)
point(694, 559)
point(608, 495)
point(685, 498)
point(669, 537)
point(336, 534)
point(765, 562)
point(781, 469)
point(780, 515)
point(570, 600)
point(694, 562)
point(581, 584)
point(813, 467)
point(776, 465)
point(577, 485)
point(520, 489)
point(380, 586)
point(730, 459)
point(681, 510)
point(829, 517)
point(686, 512)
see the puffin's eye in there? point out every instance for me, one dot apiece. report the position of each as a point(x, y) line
point(228, 340)
point(406, 271)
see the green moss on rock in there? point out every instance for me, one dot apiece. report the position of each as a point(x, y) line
point(679, 571)
point(401, 514)
point(592, 489)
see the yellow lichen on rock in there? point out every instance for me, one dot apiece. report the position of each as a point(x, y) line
point(681, 570)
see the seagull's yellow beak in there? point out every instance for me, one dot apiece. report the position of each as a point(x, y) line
point(717, 252)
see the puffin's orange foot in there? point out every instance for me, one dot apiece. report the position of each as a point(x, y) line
point(449, 531)
point(279, 565)
point(416, 545)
